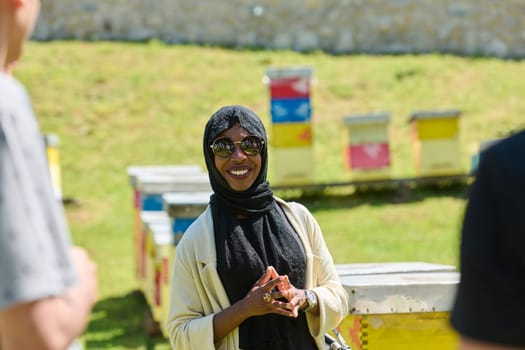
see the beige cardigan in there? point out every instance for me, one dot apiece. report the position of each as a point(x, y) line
point(197, 292)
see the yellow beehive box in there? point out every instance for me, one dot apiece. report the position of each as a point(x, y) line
point(398, 306)
point(292, 165)
point(436, 142)
point(437, 157)
point(291, 135)
point(412, 331)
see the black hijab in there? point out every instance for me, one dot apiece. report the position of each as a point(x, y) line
point(262, 237)
point(258, 198)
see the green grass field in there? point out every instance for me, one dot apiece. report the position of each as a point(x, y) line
point(119, 104)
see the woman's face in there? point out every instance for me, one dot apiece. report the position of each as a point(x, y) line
point(239, 169)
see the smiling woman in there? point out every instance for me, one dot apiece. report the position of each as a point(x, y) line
point(253, 271)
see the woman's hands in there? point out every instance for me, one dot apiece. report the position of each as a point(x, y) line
point(274, 294)
point(270, 294)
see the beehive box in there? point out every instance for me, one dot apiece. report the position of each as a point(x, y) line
point(292, 165)
point(368, 149)
point(435, 138)
point(291, 117)
point(399, 306)
point(183, 208)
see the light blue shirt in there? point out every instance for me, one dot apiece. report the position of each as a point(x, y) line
point(34, 237)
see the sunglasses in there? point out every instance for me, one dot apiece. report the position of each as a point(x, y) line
point(223, 147)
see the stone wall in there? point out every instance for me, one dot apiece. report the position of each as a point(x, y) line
point(466, 27)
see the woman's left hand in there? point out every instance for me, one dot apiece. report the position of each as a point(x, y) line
point(294, 296)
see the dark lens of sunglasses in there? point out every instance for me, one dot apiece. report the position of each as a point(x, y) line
point(222, 147)
point(251, 145)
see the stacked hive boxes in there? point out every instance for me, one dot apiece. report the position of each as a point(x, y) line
point(143, 202)
point(368, 151)
point(167, 200)
point(291, 114)
point(436, 142)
